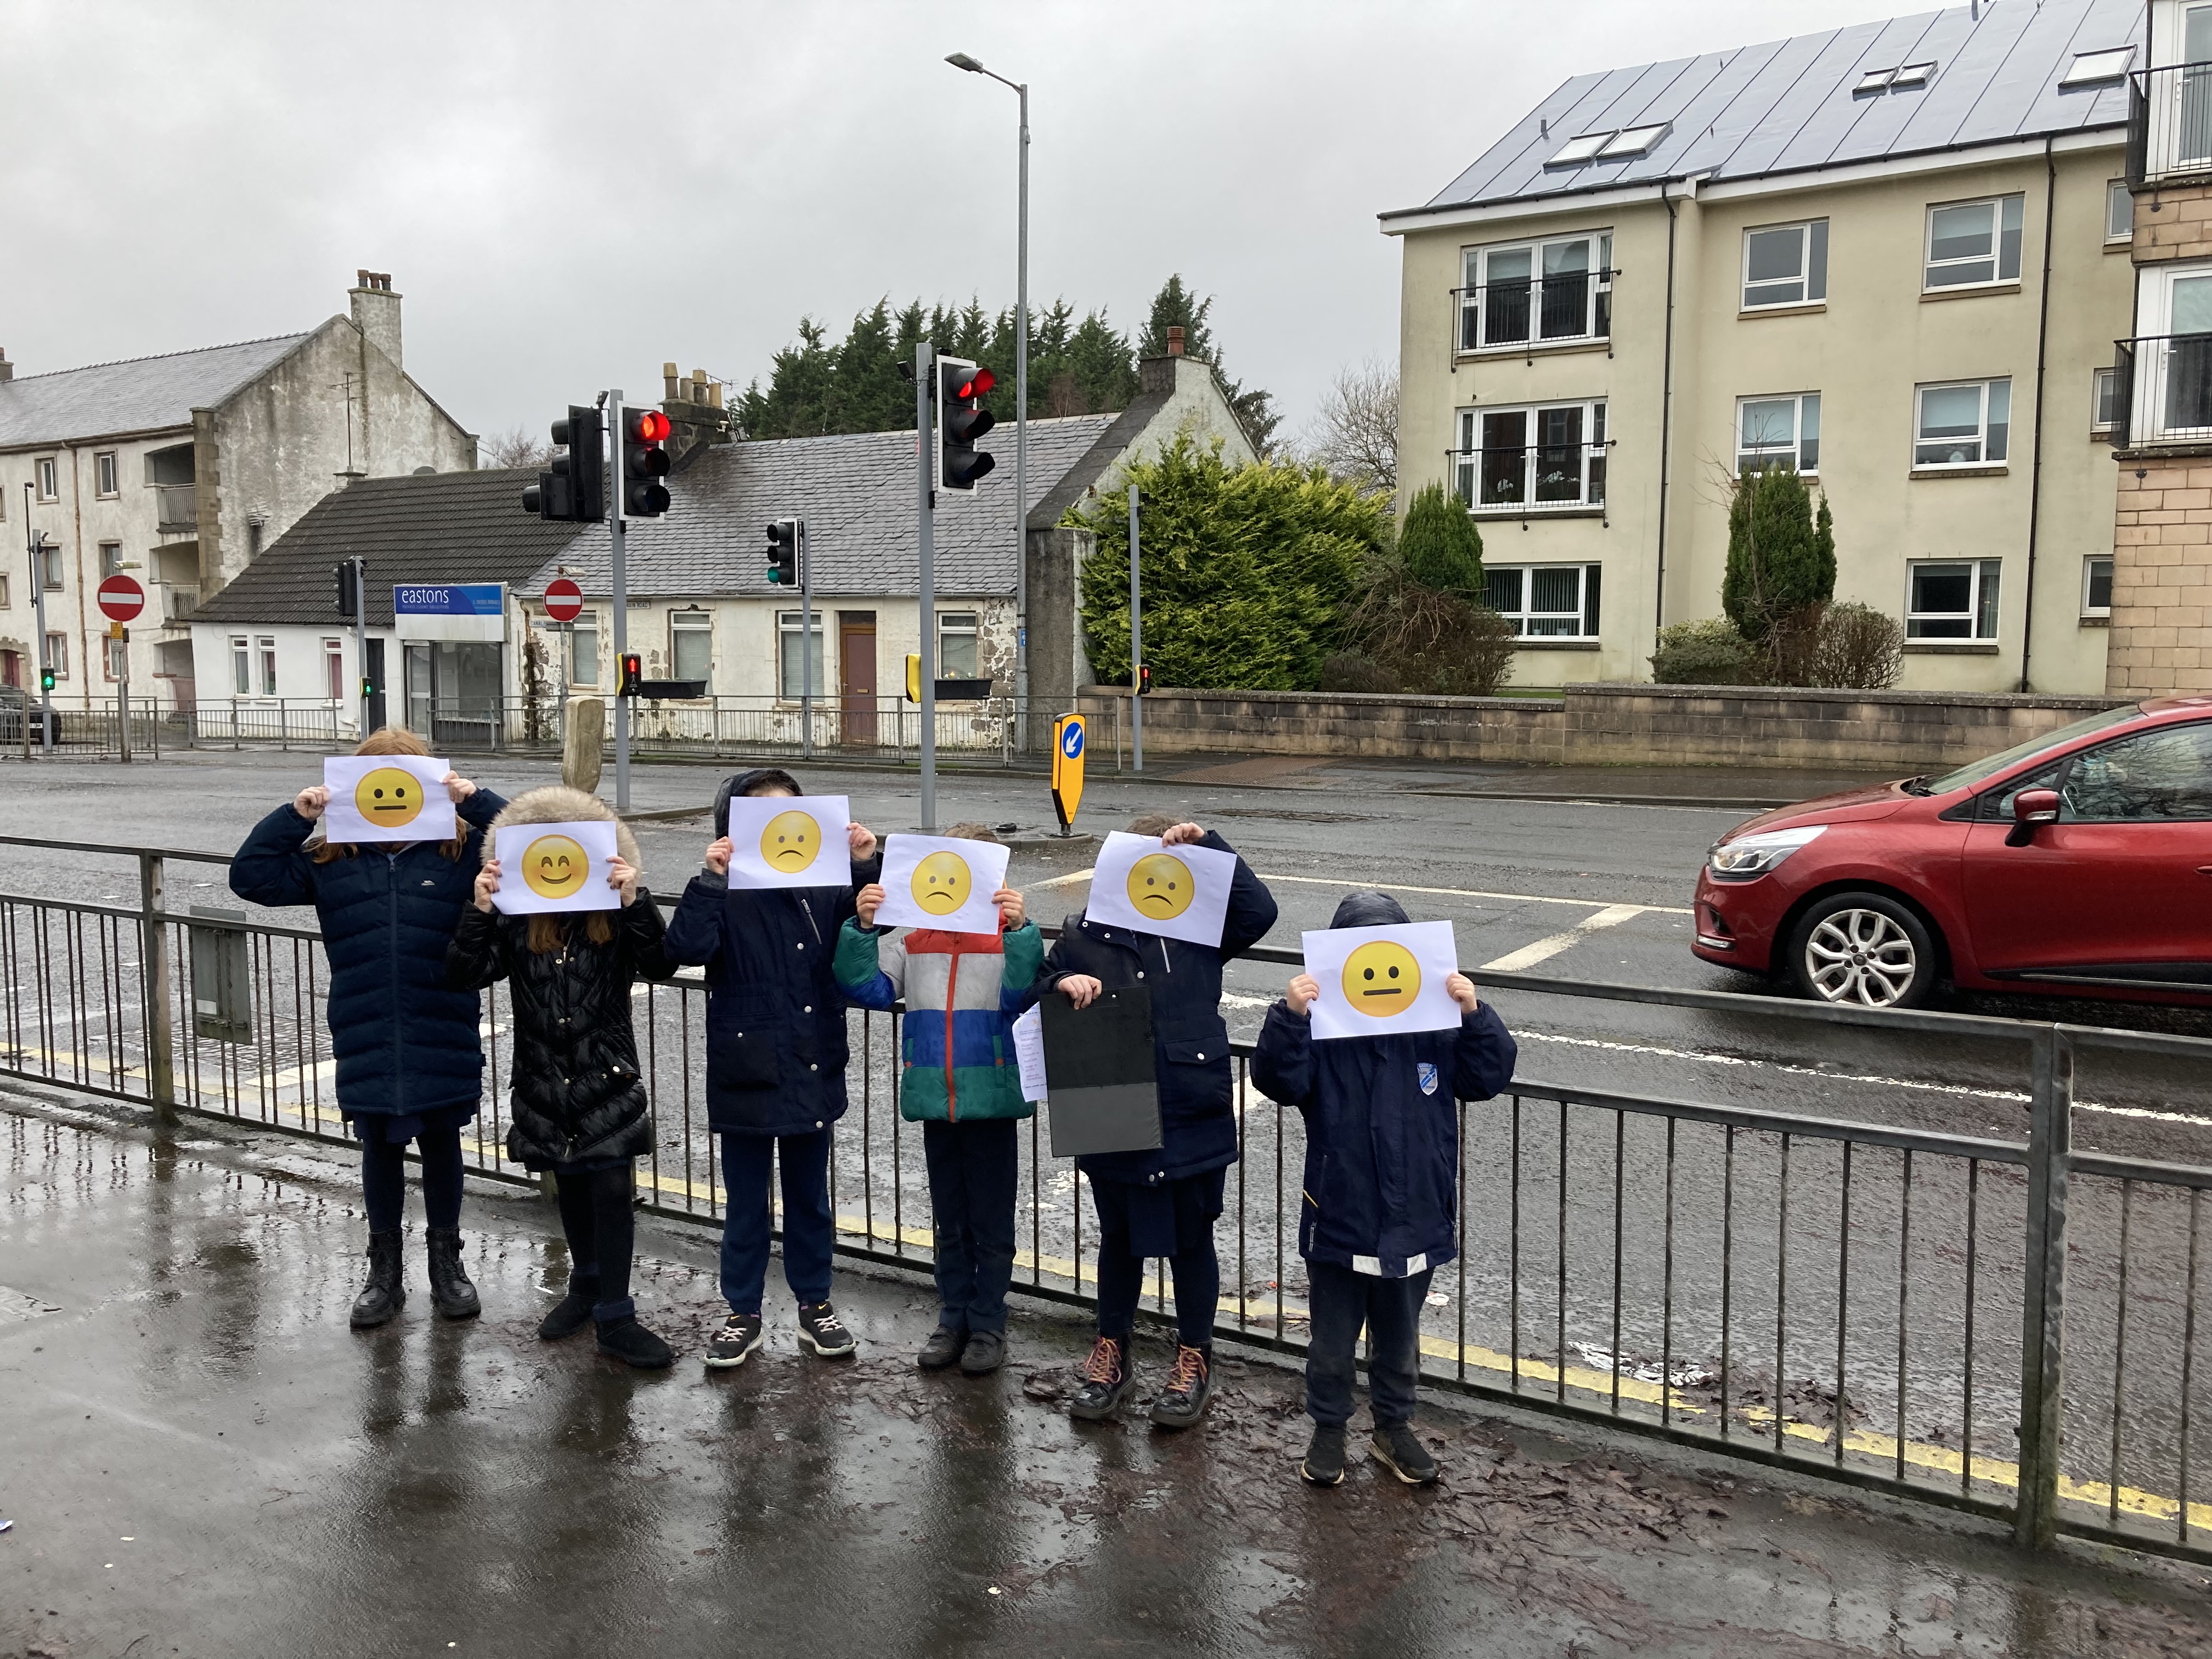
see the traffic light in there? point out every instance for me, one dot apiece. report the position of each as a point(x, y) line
point(644, 463)
point(574, 490)
point(45, 679)
point(783, 553)
point(1143, 679)
point(348, 577)
point(633, 670)
point(961, 419)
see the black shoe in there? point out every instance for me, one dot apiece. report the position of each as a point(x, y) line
point(1396, 1450)
point(1324, 1464)
point(450, 1290)
point(568, 1316)
point(739, 1336)
point(1107, 1377)
point(629, 1341)
point(820, 1330)
point(942, 1350)
point(385, 1293)
point(1188, 1392)
point(987, 1351)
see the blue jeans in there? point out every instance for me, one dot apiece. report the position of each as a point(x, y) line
point(808, 1228)
point(974, 1168)
point(1342, 1300)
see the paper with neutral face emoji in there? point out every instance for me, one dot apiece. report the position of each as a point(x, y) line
point(937, 881)
point(553, 866)
point(1177, 892)
point(387, 797)
point(790, 841)
point(1377, 981)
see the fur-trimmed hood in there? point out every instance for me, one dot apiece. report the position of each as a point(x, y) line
point(558, 803)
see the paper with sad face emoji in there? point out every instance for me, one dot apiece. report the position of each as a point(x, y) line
point(937, 881)
point(553, 866)
point(790, 841)
point(1177, 892)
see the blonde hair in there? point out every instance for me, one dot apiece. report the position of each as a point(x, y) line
point(391, 740)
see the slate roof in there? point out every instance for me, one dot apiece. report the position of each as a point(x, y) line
point(1790, 106)
point(141, 394)
point(857, 495)
point(429, 527)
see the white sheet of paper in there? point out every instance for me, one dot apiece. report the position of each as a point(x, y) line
point(387, 797)
point(790, 841)
point(937, 881)
point(1029, 1053)
point(1376, 981)
point(553, 866)
point(1177, 892)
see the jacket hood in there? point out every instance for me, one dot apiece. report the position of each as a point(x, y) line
point(558, 803)
point(1368, 910)
point(732, 788)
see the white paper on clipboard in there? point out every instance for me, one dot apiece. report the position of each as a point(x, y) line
point(1029, 1053)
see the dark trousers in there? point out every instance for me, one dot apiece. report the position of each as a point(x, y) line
point(601, 1226)
point(974, 1168)
point(808, 1229)
point(1173, 1219)
point(1342, 1300)
point(384, 1179)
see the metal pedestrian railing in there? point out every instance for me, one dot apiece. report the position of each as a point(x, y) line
point(2009, 1327)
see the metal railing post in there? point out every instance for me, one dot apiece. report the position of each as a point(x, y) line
point(154, 966)
point(2043, 1327)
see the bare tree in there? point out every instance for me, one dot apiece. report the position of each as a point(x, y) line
point(1354, 434)
point(516, 447)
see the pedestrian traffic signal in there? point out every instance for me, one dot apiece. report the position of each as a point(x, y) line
point(783, 553)
point(348, 578)
point(574, 490)
point(633, 670)
point(644, 463)
point(45, 679)
point(961, 419)
point(1143, 679)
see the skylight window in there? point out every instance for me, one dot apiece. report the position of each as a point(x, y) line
point(1912, 75)
point(2097, 68)
point(1576, 151)
point(1632, 141)
point(1875, 82)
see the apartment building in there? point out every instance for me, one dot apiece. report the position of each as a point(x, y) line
point(1895, 256)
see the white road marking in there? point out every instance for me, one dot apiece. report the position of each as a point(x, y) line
point(1543, 950)
point(1075, 876)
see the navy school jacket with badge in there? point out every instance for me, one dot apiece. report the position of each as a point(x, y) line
point(1382, 1133)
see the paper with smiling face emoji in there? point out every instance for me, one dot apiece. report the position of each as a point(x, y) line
point(387, 797)
point(553, 866)
point(1176, 892)
point(790, 841)
point(1377, 981)
point(941, 882)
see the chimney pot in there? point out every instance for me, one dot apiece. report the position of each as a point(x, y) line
point(7, 368)
point(1175, 340)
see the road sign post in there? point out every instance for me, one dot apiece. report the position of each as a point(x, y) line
point(618, 511)
point(924, 379)
point(1136, 646)
point(121, 599)
point(564, 600)
point(1068, 739)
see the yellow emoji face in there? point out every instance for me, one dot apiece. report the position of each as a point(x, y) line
point(1161, 886)
point(388, 796)
point(942, 884)
point(791, 841)
point(553, 866)
point(1381, 978)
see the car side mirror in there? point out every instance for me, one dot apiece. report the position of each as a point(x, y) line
point(2029, 808)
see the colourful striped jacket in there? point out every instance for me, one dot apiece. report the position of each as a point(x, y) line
point(962, 992)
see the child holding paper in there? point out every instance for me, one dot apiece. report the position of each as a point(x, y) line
point(1163, 1203)
point(410, 1066)
point(1381, 1170)
point(962, 992)
point(579, 1103)
point(775, 1069)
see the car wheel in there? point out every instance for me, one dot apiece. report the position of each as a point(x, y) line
point(1862, 950)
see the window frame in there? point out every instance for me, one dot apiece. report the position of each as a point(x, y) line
point(1984, 459)
point(1799, 439)
point(106, 475)
point(586, 622)
point(2117, 191)
point(1812, 266)
point(264, 651)
point(788, 628)
point(1473, 323)
point(691, 620)
point(111, 560)
point(2089, 564)
point(2104, 387)
point(241, 665)
point(947, 629)
point(1595, 446)
point(46, 483)
point(57, 652)
point(1985, 602)
point(1589, 598)
point(1998, 205)
point(51, 577)
point(334, 674)
point(7, 601)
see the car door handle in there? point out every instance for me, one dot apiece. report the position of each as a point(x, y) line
point(2204, 869)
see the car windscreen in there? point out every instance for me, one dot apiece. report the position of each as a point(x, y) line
point(1990, 765)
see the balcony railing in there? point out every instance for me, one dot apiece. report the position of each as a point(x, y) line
point(176, 508)
point(2170, 123)
point(2163, 390)
point(1531, 478)
point(1561, 309)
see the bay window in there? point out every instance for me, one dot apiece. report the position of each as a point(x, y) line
point(1525, 294)
point(1548, 456)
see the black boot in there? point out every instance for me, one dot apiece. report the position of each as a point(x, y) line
point(450, 1290)
point(384, 1294)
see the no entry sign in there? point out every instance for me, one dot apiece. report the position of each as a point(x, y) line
point(564, 600)
point(121, 599)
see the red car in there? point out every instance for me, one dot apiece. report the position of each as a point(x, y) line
point(2080, 863)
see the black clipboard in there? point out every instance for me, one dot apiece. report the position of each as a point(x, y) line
point(1103, 1074)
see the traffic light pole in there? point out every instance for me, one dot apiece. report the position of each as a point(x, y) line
point(615, 505)
point(360, 637)
point(37, 540)
point(1136, 643)
point(806, 645)
point(1022, 439)
point(925, 385)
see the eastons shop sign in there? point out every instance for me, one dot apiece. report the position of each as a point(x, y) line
point(450, 611)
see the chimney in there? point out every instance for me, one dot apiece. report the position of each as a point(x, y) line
point(668, 382)
point(1175, 340)
point(7, 368)
point(376, 312)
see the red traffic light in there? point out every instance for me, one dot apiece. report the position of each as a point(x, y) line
point(977, 384)
point(648, 426)
point(633, 670)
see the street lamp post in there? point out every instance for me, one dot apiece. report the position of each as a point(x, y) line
point(961, 60)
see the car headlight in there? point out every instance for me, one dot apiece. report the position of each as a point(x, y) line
point(1750, 856)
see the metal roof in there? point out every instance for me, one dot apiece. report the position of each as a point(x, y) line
point(140, 394)
point(1792, 105)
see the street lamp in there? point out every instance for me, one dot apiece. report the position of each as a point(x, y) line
point(961, 60)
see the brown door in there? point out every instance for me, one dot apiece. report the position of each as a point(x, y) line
point(856, 675)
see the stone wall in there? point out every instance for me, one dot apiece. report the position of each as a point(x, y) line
point(2161, 626)
point(1599, 726)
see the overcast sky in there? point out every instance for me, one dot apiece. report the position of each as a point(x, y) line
point(568, 195)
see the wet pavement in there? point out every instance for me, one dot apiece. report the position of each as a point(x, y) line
point(199, 1458)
